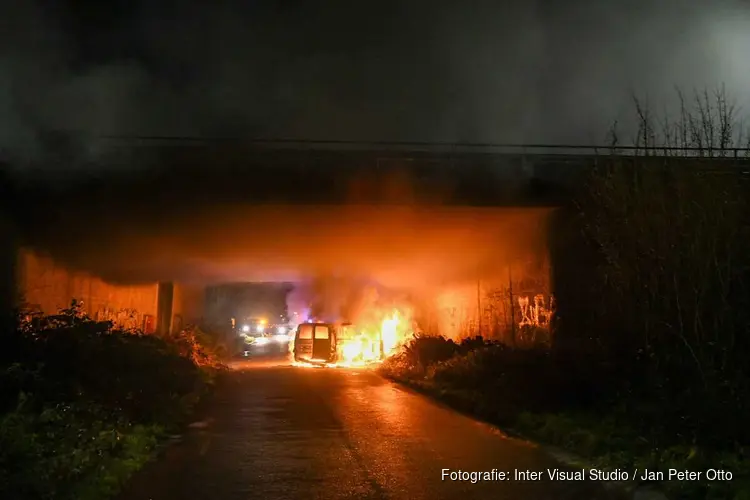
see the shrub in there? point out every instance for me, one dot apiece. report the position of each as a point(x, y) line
point(78, 451)
point(423, 351)
point(202, 348)
point(532, 378)
point(668, 289)
point(70, 357)
point(83, 404)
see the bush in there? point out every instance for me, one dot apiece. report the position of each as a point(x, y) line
point(667, 290)
point(424, 351)
point(529, 378)
point(546, 397)
point(202, 348)
point(83, 404)
point(70, 451)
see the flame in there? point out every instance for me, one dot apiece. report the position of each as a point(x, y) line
point(389, 333)
point(365, 345)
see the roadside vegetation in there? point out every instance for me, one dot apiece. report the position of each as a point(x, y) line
point(84, 405)
point(649, 366)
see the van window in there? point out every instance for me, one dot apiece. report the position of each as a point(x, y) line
point(321, 332)
point(305, 332)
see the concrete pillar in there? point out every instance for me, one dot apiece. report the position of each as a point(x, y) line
point(164, 308)
point(188, 304)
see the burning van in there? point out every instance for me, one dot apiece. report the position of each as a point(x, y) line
point(344, 343)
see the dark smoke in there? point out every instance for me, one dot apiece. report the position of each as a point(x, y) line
point(533, 71)
point(199, 236)
point(215, 225)
point(483, 71)
point(339, 298)
point(352, 299)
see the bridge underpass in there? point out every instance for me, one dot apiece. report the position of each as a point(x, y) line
point(278, 432)
point(461, 224)
point(274, 429)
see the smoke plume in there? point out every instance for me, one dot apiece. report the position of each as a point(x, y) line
point(531, 71)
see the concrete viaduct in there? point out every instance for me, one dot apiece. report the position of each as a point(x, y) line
point(48, 223)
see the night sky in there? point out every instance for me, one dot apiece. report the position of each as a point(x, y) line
point(518, 71)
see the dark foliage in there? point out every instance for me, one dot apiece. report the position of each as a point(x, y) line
point(84, 404)
point(550, 397)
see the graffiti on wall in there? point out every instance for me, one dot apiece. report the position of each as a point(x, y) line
point(515, 306)
point(127, 319)
point(536, 311)
point(501, 315)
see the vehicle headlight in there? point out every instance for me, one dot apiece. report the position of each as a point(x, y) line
point(282, 338)
point(245, 328)
point(261, 341)
point(281, 330)
point(260, 328)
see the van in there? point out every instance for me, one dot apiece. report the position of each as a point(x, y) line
point(315, 342)
point(330, 343)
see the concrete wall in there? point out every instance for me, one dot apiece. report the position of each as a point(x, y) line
point(188, 305)
point(48, 287)
point(513, 306)
point(42, 284)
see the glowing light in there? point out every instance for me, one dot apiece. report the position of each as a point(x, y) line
point(367, 345)
point(302, 364)
point(389, 334)
point(350, 351)
point(245, 328)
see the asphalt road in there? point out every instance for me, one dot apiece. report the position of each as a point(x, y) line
point(276, 431)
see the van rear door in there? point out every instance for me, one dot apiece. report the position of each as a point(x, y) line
point(303, 342)
point(322, 339)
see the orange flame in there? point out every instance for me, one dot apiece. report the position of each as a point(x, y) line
point(373, 343)
point(365, 344)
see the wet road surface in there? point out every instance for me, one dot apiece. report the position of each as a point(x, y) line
point(281, 432)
